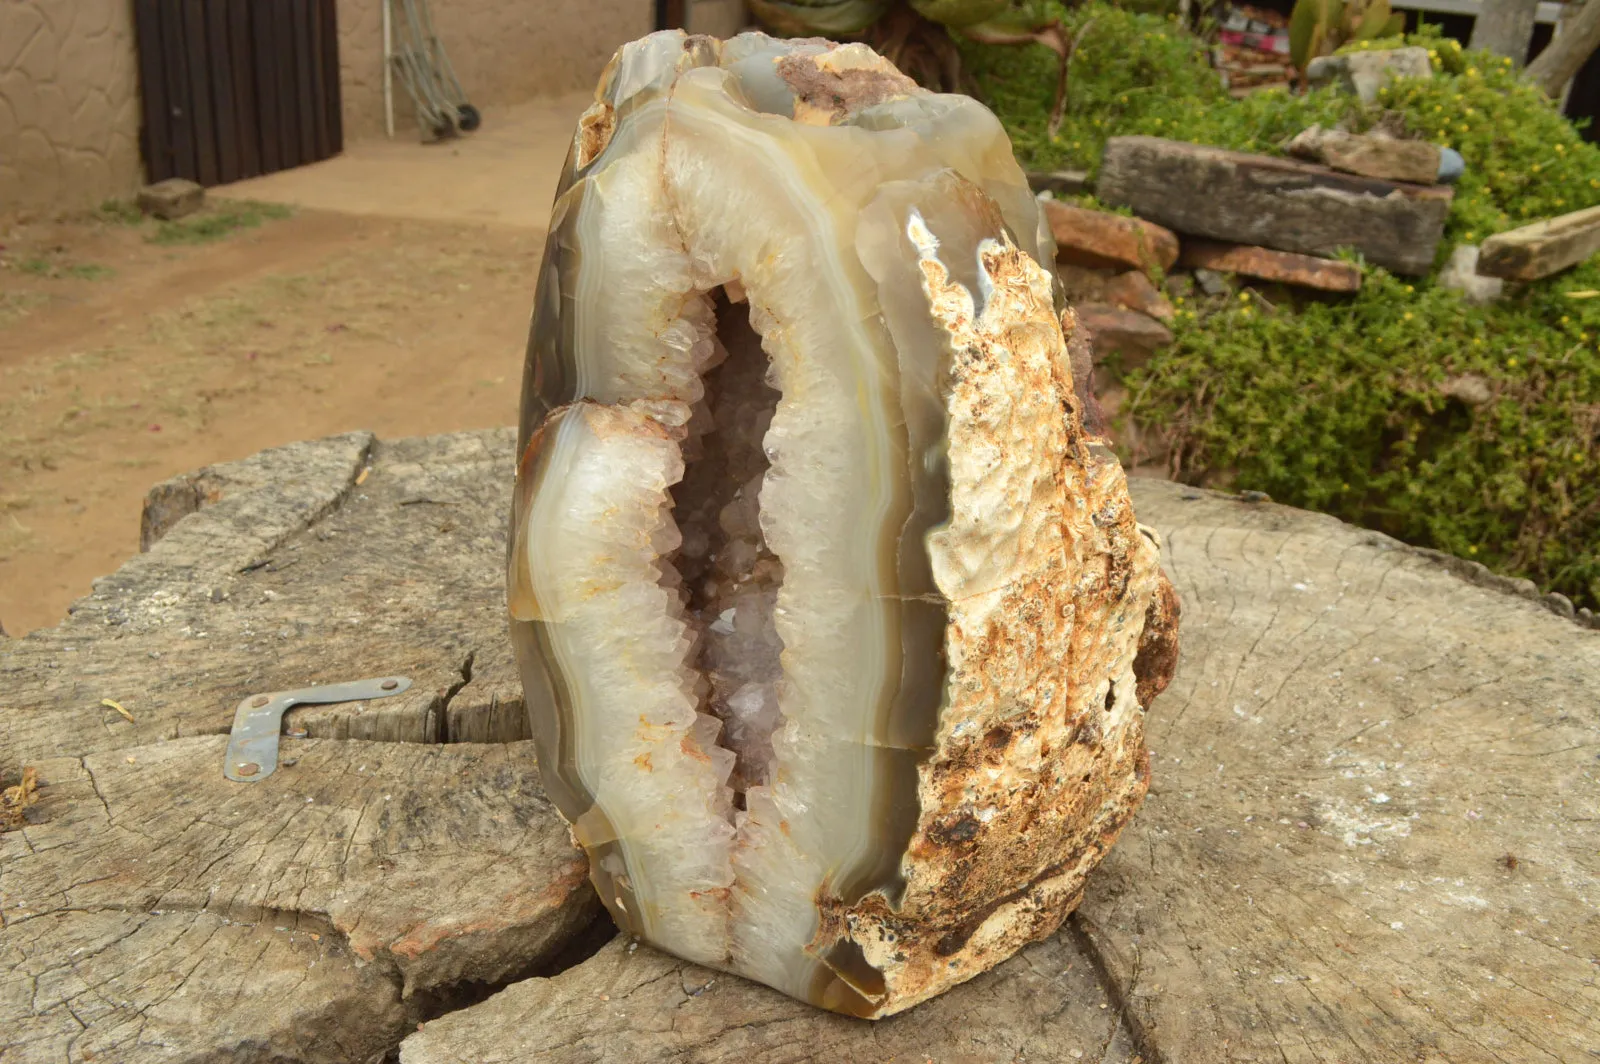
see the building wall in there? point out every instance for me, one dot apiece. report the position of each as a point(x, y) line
point(503, 51)
point(69, 84)
point(69, 103)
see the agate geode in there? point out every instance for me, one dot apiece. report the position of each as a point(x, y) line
point(834, 620)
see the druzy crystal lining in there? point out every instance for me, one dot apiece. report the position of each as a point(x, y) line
point(827, 608)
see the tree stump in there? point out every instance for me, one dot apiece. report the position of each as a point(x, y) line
point(1370, 835)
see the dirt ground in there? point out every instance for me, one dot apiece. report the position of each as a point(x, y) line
point(124, 362)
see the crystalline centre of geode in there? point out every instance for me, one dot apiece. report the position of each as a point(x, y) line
point(835, 624)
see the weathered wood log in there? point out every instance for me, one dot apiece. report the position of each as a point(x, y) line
point(296, 575)
point(152, 910)
point(1543, 248)
point(1276, 203)
point(1369, 838)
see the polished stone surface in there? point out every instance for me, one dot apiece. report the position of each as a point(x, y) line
point(835, 623)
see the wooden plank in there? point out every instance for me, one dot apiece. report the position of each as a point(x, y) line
point(246, 107)
point(1100, 239)
point(175, 69)
point(1543, 248)
point(269, 108)
point(304, 86)
point(319, 87)
point(196, 48)
point(1385, 158)
point(1275, 203)
point(224, 109)
point(333, 98)
point(1285, 267)
point(156, 133)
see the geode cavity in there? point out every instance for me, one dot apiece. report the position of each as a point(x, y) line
point(835, 624)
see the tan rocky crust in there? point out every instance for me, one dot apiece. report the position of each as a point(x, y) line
point(832, 86)
point(1046, 573)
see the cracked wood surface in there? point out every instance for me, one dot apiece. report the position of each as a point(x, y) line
point(1371, 836)
point(150, 910)
point(282, 571)
point(633, 1003)
point(1371, 831)
point(402, 869)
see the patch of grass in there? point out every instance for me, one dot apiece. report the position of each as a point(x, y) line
point(17, 305)
point(88, 271)
point(120, 212)
point(83, 271)
point(216, 223)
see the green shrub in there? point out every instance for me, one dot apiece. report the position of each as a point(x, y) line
point(1355, 407)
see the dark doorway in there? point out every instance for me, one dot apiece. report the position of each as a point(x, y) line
point(236, 88)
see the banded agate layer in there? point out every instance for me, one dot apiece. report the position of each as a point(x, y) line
point(834, 621)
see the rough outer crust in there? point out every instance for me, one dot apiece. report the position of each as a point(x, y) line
point(836, 84)
point(1051, 584)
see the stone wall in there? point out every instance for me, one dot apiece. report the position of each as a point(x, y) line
point(503, 51)
point(69, 103)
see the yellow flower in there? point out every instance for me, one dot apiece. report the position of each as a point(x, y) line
point(1511, 363)
point(1244, 297)
point(1477, 341)
point(1469, 235)
point(1534, 168)
point(1433, 53)
point(1408, 315)
point(1410, 289)
point(1472, 72)
point(1244, 312)
point(1565, 319)
point(1473, 549)
point(1561, 149)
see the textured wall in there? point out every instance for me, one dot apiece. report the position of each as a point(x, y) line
point(69, 94)
point(503, 51)
point(69, 103)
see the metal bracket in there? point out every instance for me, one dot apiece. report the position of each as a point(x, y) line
point(253, 743)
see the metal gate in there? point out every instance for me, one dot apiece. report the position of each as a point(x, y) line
point(236, 88)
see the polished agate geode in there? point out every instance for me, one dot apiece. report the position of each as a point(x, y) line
point(835, 624)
